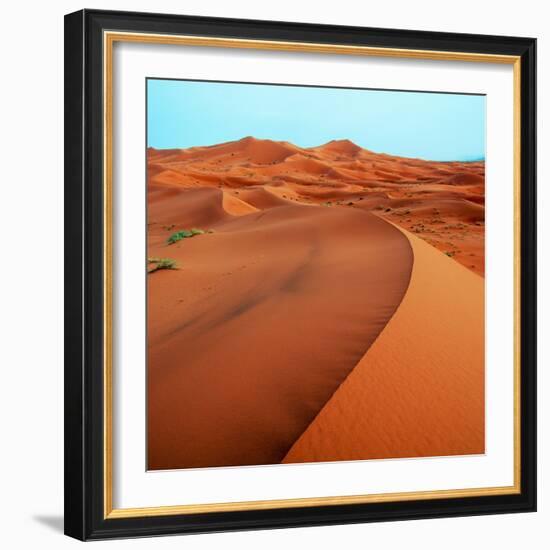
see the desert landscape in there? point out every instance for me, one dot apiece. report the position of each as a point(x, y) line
point(312, 304)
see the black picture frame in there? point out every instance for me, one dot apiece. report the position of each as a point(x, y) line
point(84, 290)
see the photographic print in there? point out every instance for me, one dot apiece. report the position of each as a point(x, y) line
point(315, 274)
point(301, 274)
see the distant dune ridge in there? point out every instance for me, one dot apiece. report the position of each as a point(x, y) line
point(313, 321)
point(442, 202)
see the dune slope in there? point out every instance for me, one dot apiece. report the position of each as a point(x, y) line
point(265, 318)
point(335, 311)
point(419, 389)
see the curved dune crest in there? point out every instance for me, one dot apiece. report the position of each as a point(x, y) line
point(261, 198)
point(264, 319)
point(339, 146)
point(288, 330)
point(419, 389)
point(203, 207)
point(235, 206)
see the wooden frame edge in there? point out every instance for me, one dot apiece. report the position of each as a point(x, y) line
point(109, 38)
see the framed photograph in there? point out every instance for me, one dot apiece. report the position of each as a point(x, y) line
point(300, 274)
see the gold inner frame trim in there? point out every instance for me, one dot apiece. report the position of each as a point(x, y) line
point(109, 39)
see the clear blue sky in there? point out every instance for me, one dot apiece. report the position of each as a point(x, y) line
point(431, 126)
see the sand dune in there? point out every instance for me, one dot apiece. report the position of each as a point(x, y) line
point(289, 331)
point(202, 207)
point(261, 198)
point(235, 206)
point(265, 318)
point(343, 147)
point(340, 172)
point(419, 389)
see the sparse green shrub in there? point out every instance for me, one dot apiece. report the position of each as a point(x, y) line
point(161, 263)
point(184, 234)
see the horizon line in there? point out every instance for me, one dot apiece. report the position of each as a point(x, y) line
point(336, 140)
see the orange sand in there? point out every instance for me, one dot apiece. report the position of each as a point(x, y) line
point(264, 319)
point(419, 390)
point(291, 333)
point(441, 202)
